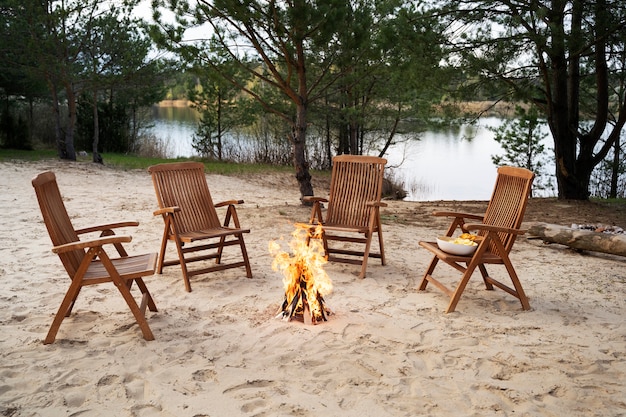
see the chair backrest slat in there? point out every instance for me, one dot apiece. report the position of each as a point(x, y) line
point(355, 181)
point(184, 185)
point(56, 219)
point(508, 202)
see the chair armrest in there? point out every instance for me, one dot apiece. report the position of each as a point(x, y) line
point(458, 214)
point(166, 210)
point(490, 228)
point(106, 227)
point(228, 203)
point(91, 243)
point(313, 199)
point(376, 204)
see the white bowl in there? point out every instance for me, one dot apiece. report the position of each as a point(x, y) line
point(446, 244)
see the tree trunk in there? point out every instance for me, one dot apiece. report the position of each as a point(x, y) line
point(614, 244)
point(96, 130)
point(219, 124)
point(299, 152)
point(58, 130)
point(328, 142)
point(70, 151)
point(615, 169)
point(577, 154)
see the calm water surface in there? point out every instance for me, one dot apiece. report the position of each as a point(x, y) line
point(443, 165)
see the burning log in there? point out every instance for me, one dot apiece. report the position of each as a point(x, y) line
point(590, 240)
point(304, 279)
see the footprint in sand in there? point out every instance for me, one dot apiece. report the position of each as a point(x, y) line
point(250, 392)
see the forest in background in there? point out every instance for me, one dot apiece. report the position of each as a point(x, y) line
point(82, 72)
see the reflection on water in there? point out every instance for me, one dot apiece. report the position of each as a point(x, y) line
point(450, 164)
point(175, 127)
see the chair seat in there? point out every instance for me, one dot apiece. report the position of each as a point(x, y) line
point(488, 258)
point(203, 234)
point(129, 267)
point(347, 229)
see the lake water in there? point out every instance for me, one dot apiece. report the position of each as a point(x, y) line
point(452, 164)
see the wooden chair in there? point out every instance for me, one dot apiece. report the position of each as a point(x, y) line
point(497, 228)
point(189, 214)
point(353, 208)
point(86, 261)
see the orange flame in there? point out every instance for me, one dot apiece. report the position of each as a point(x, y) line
point(304, 265)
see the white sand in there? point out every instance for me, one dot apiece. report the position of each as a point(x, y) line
point(388, 351)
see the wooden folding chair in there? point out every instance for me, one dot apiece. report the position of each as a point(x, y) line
point(497, 230)
point(189, 214)
point(354, 206)
point(86, 261)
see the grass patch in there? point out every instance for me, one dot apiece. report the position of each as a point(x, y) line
point(21, 155)
point(610, 202)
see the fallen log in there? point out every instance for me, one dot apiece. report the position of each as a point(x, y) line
point(614, 244)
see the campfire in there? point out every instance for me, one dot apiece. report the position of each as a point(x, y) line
point(304, 279)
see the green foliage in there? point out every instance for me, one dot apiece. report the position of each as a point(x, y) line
point(566, 57)
point(356, 67)
point(114, 126)
point(79, 49)
point(220, 103)
point(13, 133)
point(521, 139)
point(609, 177)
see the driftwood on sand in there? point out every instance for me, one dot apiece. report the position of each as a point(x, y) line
point(612, 243)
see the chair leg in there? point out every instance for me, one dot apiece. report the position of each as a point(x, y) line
point(183, 265)
point(161, 259)
point(64, 309)
point(458, 291)
point(128, 297)
point(220, 250)
point(244, 253)
point(366, 254)
point(324, 243)
point(135, 309)
point(485, 275)
point(71, 295)
point(71, 307)
point(517, 284)
point(146, 293)
point(382, 246)
point(429, 271)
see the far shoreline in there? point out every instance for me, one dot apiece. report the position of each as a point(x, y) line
point(468, 108)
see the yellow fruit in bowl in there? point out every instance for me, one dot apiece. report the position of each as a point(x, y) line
point(456, 246)
point(464, 241)
point(468, 236)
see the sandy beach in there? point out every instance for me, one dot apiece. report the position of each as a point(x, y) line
point(388, 350)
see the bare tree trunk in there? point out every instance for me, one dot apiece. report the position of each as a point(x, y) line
point(70, 151)
point(299, 152)
point(58, 131)
point(615, 169)
point(96, 130)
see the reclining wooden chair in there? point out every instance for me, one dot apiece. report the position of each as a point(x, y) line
point(353, 208)
point(497, 230)
point(189, 214)
point(86, 261)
